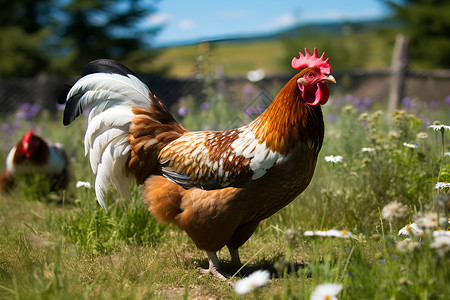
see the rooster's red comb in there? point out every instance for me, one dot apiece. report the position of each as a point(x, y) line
point(27, 136)
point(308, 61)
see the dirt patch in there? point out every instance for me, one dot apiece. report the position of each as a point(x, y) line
point(194, 292)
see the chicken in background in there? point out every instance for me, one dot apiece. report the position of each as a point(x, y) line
point(217, 186)
point(33, 155)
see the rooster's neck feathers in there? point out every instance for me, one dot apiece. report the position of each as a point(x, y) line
point(289, 120)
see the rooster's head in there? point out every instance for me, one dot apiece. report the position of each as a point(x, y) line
point(29, 143)
point(314, 78)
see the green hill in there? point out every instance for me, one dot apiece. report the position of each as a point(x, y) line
point(349, 45)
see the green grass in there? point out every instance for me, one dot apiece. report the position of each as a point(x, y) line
point(64, 246)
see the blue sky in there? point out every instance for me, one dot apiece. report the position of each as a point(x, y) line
point(202, 19)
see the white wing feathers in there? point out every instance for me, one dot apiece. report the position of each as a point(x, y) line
point(111, 97)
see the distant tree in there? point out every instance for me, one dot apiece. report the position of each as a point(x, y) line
point(428, 27)
point(30, 15)
point(91, 29)
point(23, 30)
point(21, 55)
point(54, 36)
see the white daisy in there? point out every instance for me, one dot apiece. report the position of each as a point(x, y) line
point(367, 149)
point(253, 281)
point(394, 210)
point(313, 233)
point(83, 184)
point(442, 185)
point(339, 233)
point(441, 232)
point(326, 291)
point(331, 233)
point(439, 127)
point(427, 220)
point(441, 244)
point(410, 228)
point(411, 145)
point(256, 75)
point(333, 158)
point(446, 153)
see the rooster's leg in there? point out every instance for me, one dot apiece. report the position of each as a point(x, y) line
point(214, 267)
point(236, 261)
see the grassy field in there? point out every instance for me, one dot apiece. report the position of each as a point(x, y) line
point(367, 50)
point(236, 58)
point(66, 247)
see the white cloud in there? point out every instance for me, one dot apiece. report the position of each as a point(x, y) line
point(232, 14)
point(187, 24)
point(285, 20)
point(281, 22)
point(158, 19)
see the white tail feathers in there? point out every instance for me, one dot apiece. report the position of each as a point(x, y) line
point(111, 97)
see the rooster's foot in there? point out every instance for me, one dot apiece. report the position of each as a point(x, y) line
point(216, 273)
point(214, 267)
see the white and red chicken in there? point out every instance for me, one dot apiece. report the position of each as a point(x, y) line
point(217, 186)
point(33, 155)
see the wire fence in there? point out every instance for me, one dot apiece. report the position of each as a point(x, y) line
point(431, 85)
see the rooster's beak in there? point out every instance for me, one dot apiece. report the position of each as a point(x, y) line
point(328, 78)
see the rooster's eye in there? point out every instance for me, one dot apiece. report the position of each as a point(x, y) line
point(310, 75)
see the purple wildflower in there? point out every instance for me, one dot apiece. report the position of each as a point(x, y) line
point(434, 104)
point(407, 103)
point(60, 107)
point(363, 104)
point(205, 105)
point(182, 111)
point(447, 100)
point(348, 98)
point(26, 106)
point(27, 111)
point(248, 111)
point(367, 102)
point(23, 115)
point(34, 109)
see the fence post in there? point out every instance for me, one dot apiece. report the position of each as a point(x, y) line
point(399, 70)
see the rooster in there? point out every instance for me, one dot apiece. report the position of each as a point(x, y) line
point(33, 155)
point(217, 186)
